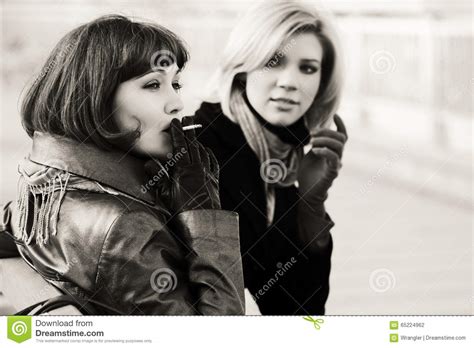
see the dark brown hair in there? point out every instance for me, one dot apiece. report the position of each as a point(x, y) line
point(73, 94)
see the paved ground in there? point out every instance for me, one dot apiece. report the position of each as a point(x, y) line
point(401, 246)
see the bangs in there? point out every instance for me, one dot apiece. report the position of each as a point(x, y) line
point(73, 96)
point(277, 43)
point(260, 38)
point(149, 48)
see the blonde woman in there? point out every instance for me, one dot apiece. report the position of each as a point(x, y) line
point(276, 90)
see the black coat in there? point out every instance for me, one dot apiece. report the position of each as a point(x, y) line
point(281, 274)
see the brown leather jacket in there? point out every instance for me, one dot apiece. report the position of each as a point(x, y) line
point(114, 242)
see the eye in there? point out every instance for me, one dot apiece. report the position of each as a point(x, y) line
point(274, 62)
point(177, 86)
point(153, 85)
point(309, 69)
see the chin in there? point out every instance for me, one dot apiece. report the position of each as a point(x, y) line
point(159, 148)
point(283, 118)
point(163, 153)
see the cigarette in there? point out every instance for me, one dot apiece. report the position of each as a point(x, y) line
point(194, 126)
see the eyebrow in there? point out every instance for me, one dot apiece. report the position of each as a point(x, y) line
point(156, 70)
point(310, 60)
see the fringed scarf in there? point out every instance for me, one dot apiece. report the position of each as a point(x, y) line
point(41, 190)
point(279, 161)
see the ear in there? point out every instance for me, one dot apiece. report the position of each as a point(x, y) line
point(242, 77)
point(240, 81)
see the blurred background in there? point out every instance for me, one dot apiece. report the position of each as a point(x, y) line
point(403, 201)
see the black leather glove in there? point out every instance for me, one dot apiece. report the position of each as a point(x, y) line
point(193, 178)
point(320, 166)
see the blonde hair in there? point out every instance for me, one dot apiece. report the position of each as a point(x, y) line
point(256, 39)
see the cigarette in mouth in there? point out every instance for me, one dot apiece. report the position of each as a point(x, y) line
point(194, 126)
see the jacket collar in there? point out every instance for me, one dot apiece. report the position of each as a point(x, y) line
point(116, 169)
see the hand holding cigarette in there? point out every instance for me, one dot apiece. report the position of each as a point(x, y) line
point(194, 176)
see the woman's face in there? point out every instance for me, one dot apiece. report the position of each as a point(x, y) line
point(151, 101)
point(283, 90)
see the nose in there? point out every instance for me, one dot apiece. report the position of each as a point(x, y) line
point(174, 105)
point(287, 80)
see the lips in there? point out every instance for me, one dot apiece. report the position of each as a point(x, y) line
point(285, 101)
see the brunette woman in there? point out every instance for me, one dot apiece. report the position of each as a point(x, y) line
point(103, 115)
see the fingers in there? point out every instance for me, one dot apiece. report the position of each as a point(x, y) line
point(179, 141)
point(341, 127)
point(190, 136)
point(340, 134)
point(325, 132)
point(189, 121)
point(204, 156)
point(214, 163)
point(330, 143)
point(331, 156)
